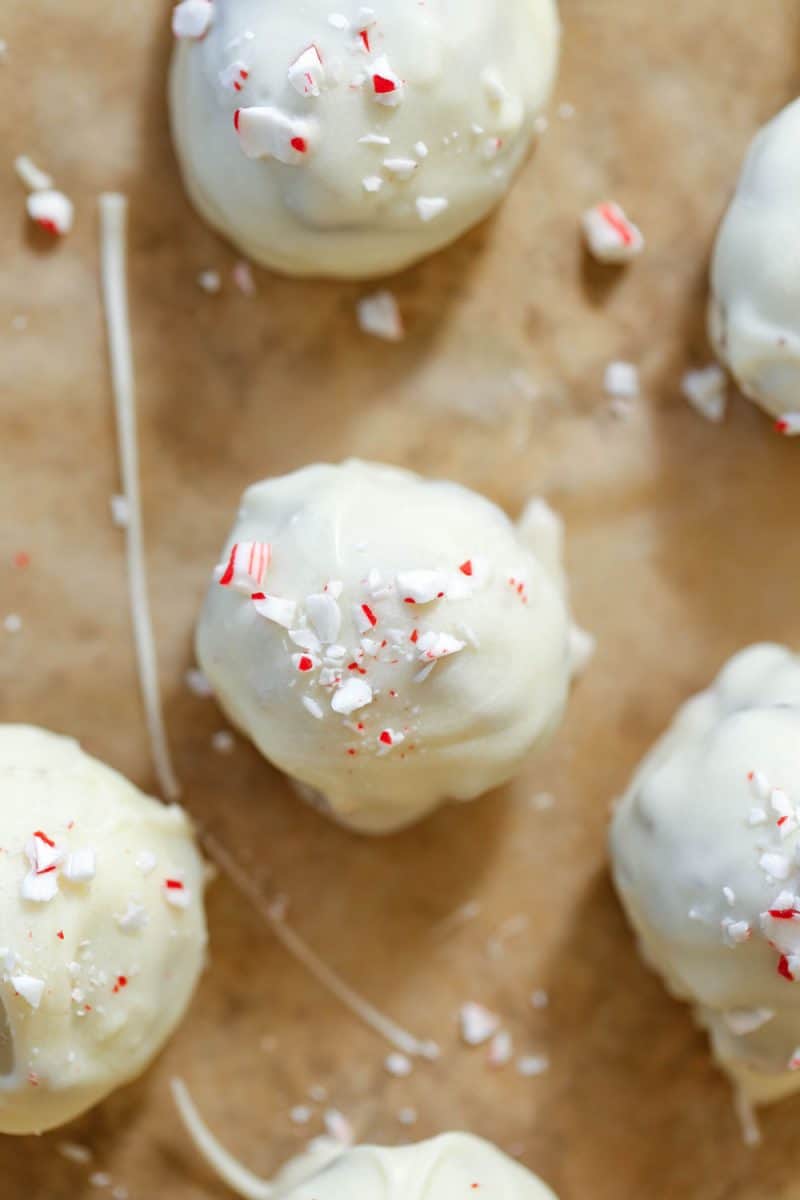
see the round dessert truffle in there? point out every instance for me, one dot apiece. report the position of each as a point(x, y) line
point(450, 1166)
point(348, 141)
point(705, 852)
point(754, 315)
point(102, 931)
point(387, 641)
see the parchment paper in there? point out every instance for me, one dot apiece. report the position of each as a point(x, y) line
point(682, 546)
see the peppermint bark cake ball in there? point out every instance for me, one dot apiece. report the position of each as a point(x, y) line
point(754, 315)
point(102, 931)
point(387, 641)
point(329, 138)
point(448, 1167)
point(706, 856)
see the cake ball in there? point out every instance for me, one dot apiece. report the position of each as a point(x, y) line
point(341, 140)
point(706, 861)
point(754, 315)
point(450, 1166)
point(102, 932)
point(387, 641)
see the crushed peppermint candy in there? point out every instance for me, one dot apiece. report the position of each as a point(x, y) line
point(407, 1116)
point(210, 281)
point(788, 424)
point(80, 866)
point(352, 695)
point(314, 707)
point(325, 616)
point(706, 390)
point(223, 742)
point(176, 893)
point(234, 76)
point(775, 864)
point(275, 608)
point(433, 646)
point(501, 1049)
point(192, 19)
point(338, 1127)
point(531, 1065)
point(610, 236)
point(266, 132)
point(397, 1064)
point(29, 988)
point(401, 168)
point(735, 932)
point(379, 315)
point(307, 72)
point(301, 1114)
point(246, 568)
point(134, 919)
point(52, 211)
point(421, 587)
point(146, 862)
point(430, 207)
point(387, 87)
point(621, 379)
point(477, 1023)
point(242, 275)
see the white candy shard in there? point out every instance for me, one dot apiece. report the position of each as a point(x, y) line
point(610, 236)
point(430, 207)
point(266, 132)
point(621, 379)
point(192, 18)
point(379, 315)
point(477, 1023)
point(742, 1021)
point(81, 865)
point(307, 72)
point(134, 919)
point(29, 988)
point(325, 616)
point(52, 210)
point(401, 168)
point(501, 1049)
point(352, 695)
point(775, 864)
point(398, 1065)
point(706, 390)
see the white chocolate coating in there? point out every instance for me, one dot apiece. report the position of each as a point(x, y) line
point(459, 724)
point(442, 1168)
point(96, 973)
point(383, 179)
point(754, 315)
point(705, 847)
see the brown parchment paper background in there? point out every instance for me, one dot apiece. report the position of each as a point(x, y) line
point(682, 545)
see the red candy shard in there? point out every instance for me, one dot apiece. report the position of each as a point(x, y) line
point(382, 85)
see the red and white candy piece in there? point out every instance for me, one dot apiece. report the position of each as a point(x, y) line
point(192, 19)
point(304, 663)
point(234, 77)
point(788, 425)
point(307, 72)
point(421, 586)
point(352, 695)
point(433, 646)
point(246, 568)
point(275, 608)
point(52, 211)
point(379, 315)
point(364, 25)
point(387, 87)
point(610, 236)
point(388, 738)
point(176, 893)
point(43, 853)
point(365, 617)
point(266, 132)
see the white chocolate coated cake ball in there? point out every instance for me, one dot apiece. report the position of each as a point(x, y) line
point(336, 139)
point(705, 851)
point(387, 641)
point(448, 1167)
point(754, 316)
point(102, 930)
